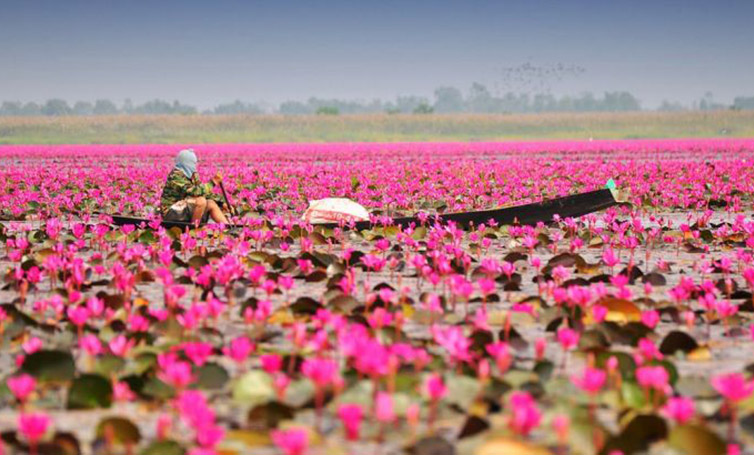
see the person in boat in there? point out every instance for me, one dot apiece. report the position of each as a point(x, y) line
point(185, 198)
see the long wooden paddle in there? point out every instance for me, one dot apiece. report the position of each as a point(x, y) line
point(227, 202)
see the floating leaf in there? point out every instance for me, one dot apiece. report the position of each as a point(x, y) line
point(316, 276)
point(211, 376)
point(419, 233)
point(305, 305)
point(155, 388)
point(473, 426)
point(620, 310)
point(593, 340)
point(42, 254)
point(638, 434)
point(281, 317)
point(118, 430)
point(629, 333)
point(633, 395)
point(243, 441)
point(361, 393)
point(462, 390)
point(48, 365)
point(90, 391)
point(343, 303)
point(700, 354)
point(60, 444)
point(64, 444)
point(677, 341)
point(655, 279)
point(695, 387)
point(147, 237)
point(299, 393)
point(564, 260)
point(108, 364)
point(253, 388)
point(626, 363)
point(696, 440)
point(433, 445)
point(317, 238)
point(269, 415)
point(197, 262)
point(143, 362)
point(167, 447)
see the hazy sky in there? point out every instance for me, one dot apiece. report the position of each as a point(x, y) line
point(207, 52)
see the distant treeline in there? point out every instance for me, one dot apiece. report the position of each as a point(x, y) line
point(478, 99)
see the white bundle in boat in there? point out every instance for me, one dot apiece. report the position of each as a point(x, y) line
point(334, 210)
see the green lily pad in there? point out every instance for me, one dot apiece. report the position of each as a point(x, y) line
point(269, 415)
point(678, 341)
point(90, 391)
point(155, 388)
point(253, 388)
point(50, 366)
point(462, 390)
point(108, 364)
point(168, 447)
point(638, 434)
point(119, 430)
point(696, 440)
point(211, 376)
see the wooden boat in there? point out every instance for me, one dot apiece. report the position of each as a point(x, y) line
point(529, 214)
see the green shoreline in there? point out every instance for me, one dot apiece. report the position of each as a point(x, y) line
point(375, 128)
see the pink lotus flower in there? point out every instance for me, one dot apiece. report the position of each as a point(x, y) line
point(22, 386)
point(650, 318)
point(210, 435)
point(32, 345)
point(599, 312)
point(648, 351)
point(78, 315)
point(486, 286)
point(568, 338)
point(322, 372)
point(560, 274)
point(122, 392)
point(292, 442)
point(434, 387)
point(591, 380)
point(653, 377)
point(90, 344)
point(609, 258)
point(525, 416)
point(33, 426)
point(454, 341)
point(120, 345)
point(271, 363)
point(733, 386)
point(194, 409)
point(384, 407)
point(280, 383)
point(501, 352)
point(197, 352)
point(174, 372)
point(681, 409)
point(350, 415)
point(239, 349)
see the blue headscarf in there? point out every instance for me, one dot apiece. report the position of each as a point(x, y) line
point(186, 162)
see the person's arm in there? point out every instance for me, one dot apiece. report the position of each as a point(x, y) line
point(193, 187)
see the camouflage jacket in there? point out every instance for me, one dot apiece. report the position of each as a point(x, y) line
point(178, 187)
